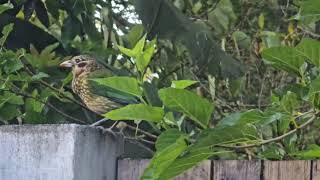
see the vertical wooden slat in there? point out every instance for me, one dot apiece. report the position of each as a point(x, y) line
point(284, 170)
point(236, 170)
point(316, 170)
point(129, 169)
point(200, 172)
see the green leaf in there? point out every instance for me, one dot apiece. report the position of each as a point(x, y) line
point(182, 84)
point(8, 112)
point(188, 161)
point(10, 62)
point(261, 20)
point(167, 138)
point(189, 103)
point(144, 60)
point(11, 98)
point(242, 39)
point(218, 136)
point(6, 31)
point(162, 159)
point(33, 105)
point(70, 29)
point(124, 84)
point(289, 102)
point(270, 39)
point(136, 51)
point(222, 18)
point(135, 34)
point(310, 11)
point(39, 76)
point(4, 7)
point(285, 58)
point(138, 48)
point(314, 93)
point(310, 48)
point(312, 153)
point(237, 118)
point(203, 147)
point(197, 7)
point(136, 112)
point(128, 52)
point(273, 151)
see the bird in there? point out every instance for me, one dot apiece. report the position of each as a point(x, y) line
point(99, 99)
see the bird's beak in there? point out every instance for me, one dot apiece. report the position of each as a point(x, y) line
point(66, 64)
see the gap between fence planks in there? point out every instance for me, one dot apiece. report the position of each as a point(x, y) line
point(129, 169)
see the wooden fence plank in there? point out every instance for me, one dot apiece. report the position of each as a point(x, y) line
point(236, 170)
point(130, 169)
point(200, 172)
point(316, 170)
point(284, 170)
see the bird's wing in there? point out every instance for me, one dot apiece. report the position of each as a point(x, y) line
point(110, 93)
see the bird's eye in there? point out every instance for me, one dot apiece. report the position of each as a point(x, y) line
point(77, 60)
point(82, 64)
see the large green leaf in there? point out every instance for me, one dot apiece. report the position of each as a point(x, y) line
point(247, 117)
point(136, 112)
point(4, 7)
point(312, 153)
point(285, 58)
point(189, 103)
point(8, 112)
point(163, 158)
point(310, 11)
point(124, 84)
point(5, 32)
point(11, 98)
point(226, 135)
point(204, 147)
point(134, 35)
point(310, 48)
point(188, 161)
point(167, 138)
point(289, 102)
point(314, 92)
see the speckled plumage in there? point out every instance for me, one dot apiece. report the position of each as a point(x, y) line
point(82, 68)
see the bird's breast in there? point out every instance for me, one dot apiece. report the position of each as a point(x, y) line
point(94, 102)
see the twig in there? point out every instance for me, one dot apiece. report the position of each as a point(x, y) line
point(99, 122)
point(142, 131)
point(139, 144)
point(314, 35)
point(45, 103)
point(273, 139)
point(64, 114)
point(44, 83)
point(141, 139)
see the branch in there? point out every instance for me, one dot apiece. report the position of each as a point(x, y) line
point(45, 103)
point(273, 139)
point(142, 131)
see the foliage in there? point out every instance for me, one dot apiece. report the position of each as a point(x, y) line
point(211, 79)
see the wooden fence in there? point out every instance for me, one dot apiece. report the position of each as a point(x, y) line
point(129, 169)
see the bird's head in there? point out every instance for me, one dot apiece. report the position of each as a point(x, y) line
point(80, 64)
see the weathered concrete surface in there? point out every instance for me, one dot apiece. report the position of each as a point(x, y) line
point(57, 152)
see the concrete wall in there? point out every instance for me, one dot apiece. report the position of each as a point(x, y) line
point(57, 152)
